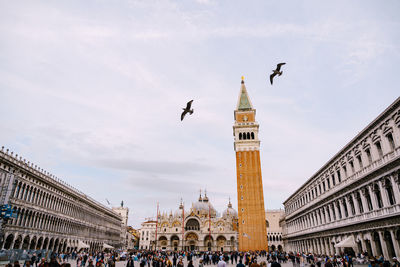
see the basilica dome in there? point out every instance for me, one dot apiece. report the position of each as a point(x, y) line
point(230, 211)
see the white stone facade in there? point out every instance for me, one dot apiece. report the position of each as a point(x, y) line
point(147, 235)
point(355, 196)
point(124, 213)
point(195, 233)
point(274, 230)
point(52, 214)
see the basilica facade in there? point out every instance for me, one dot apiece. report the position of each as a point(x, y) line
point(352, 203)
point(200, 228)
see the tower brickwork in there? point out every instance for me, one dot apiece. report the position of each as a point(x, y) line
point(252, 224)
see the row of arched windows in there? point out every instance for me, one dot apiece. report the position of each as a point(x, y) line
point(246, 136)
point(330, 178)
point(47, 222)
point(40, 197)
point(369, 198)
point(274, 238)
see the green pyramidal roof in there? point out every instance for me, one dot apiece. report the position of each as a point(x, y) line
point(244, 101)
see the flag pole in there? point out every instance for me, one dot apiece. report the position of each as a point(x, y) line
point(183, 224)
point(156, 226)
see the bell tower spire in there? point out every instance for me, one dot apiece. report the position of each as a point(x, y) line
point(252, 226)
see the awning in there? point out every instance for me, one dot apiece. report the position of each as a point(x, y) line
point(107, 246)
point(346, 243)
point(82, 245)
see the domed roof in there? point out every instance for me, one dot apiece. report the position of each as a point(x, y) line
point(230, 211)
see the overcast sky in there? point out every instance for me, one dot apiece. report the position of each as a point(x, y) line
point(92, 91)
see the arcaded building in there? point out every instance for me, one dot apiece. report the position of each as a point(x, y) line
point(199, 228)
point(352, 203)
point(252, 226)
point(274, 229)
point(51, 214)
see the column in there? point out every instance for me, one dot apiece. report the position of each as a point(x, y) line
point(326, 214)
point(395, 243)
point(363, 245)
point(341, 206)
point(373, 246)
point(373, 198)
point(364, 199)
point(356, 207)
point(348, 206)
point(383, 244)
point(394, 178)
point(384, 195)
point(336, 208)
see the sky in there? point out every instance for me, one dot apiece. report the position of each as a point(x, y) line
point(92, 91)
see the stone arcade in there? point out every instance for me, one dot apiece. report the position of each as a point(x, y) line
point(51, 214)
point(354, 198)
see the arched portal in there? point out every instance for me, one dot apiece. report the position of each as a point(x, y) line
point(192, 241)
point(175, 242)
point(221, 241)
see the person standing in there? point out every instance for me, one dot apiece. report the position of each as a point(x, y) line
point(221, 262)
point(240, 264)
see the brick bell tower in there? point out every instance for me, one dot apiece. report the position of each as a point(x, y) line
point(252, 224)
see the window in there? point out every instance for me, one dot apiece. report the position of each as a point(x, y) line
point(323, 185)
point(378, 195)
point(368, 152)
point(360, 161)
point(338, 175)
point(389, 137)
point(345, 171)
point(329, 183)
point(240, 136)
point(352, 166)
point(252, 135)
point(379, 148)
point(333, 180)
point(319, 187)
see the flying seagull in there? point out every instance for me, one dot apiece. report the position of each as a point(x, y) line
point(276, 72)
point(187, 109)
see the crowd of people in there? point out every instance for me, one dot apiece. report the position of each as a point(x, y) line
point(145, 258)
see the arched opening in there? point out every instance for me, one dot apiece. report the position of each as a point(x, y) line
point(279, 248)
point(252, 135)
point(378, 196)
point(191, 241)
point(389, 244)
point(8, 241)
point(18, 242)
point(240, 136)
point(389, 191)
point(25, 244)
point(208, 240)
point(248, 136)
point(175, 242)
point(192, 224)
point(221, 241)
point(33, 243)
point(378, 245)
point(267, 223)
point(244, 136)
point(39, 243)
point(273, 247)
point(162, 242)
point(51, 243)
point(46, 243)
